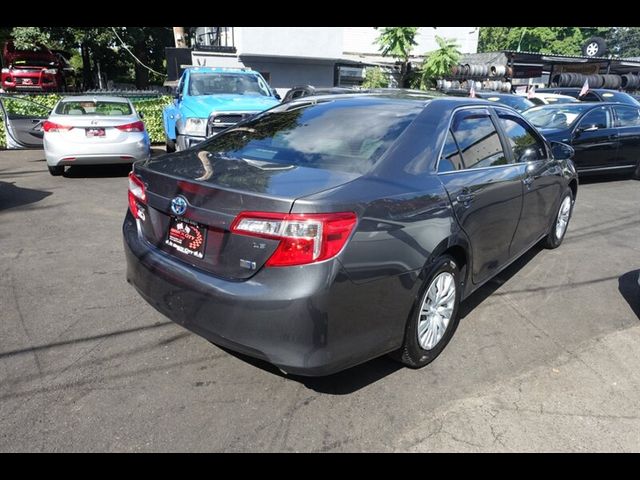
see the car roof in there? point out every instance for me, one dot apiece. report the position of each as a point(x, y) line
point(92, 98)
point(585, 104)
point(568, 89)
point(418, 97)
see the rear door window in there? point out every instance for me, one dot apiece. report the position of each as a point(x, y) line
point(627, 116)
point(478, 139)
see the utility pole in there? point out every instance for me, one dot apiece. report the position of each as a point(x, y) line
point(178, 37)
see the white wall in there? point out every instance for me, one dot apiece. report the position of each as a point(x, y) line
point(362, 39)
point(310, 42)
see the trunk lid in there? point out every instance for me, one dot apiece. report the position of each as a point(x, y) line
point(216, 190)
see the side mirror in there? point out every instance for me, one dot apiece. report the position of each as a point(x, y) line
point(276, 94)
point(141, 115)
point(561, 151)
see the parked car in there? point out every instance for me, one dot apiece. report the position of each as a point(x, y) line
point(208, 100)
point(545, 98)
point(309, 90)
point(40, 70)
point(516, 102)
point(605, 136)
point(86, 130)
point(593, 95)
point(319, 235)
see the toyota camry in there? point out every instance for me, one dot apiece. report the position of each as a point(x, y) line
point(331, 230)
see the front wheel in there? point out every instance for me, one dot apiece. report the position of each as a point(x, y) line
point(434, 317)
point(559, 228)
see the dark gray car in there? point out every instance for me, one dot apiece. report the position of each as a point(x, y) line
point(330, 230)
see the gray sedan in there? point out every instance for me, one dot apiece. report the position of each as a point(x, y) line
point(88, 130)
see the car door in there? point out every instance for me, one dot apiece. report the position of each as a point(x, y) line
point(595, 140)
point(540, 178)
point(627, 122)
point(23, 120)
point(484, 186)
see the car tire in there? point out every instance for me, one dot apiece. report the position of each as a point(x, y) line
point(636, 173)
point(417, 352)
point(594, 47)
point(557, 232)
point(171, 145)
point(57, 170)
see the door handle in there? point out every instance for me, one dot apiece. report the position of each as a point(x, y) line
point(613, 136)
point(465, 197)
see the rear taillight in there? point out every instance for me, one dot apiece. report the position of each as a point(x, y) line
point(137, 195)
point(131, 127)
point(48, 126)
point(304, 238)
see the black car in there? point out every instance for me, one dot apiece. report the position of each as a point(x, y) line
point(605, 136)
point(517, 102)
point(593, 95)
point(331, 230)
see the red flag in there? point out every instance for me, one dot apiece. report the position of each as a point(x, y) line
point(472, 92)
point(585, 88)
point(532, 92)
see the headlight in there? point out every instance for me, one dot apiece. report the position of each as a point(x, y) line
point(196, 126)
point(50, 71)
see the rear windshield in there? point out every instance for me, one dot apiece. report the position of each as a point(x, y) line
point(98, 107)
point(348, 136)
point(518, 103)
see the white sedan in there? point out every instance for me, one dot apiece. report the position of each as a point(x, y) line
point(85, 130)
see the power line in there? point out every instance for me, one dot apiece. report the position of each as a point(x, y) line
point(135, 58)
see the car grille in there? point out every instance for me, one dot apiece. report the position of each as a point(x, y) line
point(221, 120)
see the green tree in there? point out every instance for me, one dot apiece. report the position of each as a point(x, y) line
point(100, 47)
point(398, 42)
point(439, 62)
point(558, 40)
point(624, 41)
point(375, 78)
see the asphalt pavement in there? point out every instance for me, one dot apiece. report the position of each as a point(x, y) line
point(546, 357)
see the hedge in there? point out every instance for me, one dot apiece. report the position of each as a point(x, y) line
point(150, 108)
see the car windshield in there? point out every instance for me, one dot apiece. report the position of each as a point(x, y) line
point(96, 107)
point(556, 116)
point(349, 135)
point(220, 83)
point(517, 103)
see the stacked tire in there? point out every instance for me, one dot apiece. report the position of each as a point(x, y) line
point(595, 81)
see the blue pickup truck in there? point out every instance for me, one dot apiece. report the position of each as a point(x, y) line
point(208, 100)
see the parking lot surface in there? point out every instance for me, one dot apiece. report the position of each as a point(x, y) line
point(546, 357)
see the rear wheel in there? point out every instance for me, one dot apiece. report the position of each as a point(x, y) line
point(559, 228)
point(56, 171)
point(434, 317)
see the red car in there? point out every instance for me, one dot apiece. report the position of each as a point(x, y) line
point(40, 70)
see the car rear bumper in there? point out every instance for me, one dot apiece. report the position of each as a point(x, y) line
point(303, 320)
point(61, 152)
